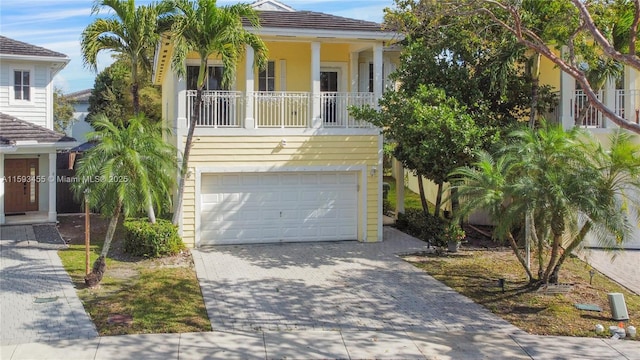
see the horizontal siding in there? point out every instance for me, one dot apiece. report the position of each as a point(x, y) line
point(261, 151)
point(34, 111)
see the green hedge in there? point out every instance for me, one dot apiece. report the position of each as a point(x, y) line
point(151, 240)
point(426, 227)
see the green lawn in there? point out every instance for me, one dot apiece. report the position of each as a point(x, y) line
point(161, 296)
point(411, 199)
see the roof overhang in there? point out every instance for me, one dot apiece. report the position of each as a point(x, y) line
point(57, 63)
point(328, 34)
point(33, 147)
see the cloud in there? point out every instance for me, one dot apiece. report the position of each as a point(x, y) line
point(33, 18)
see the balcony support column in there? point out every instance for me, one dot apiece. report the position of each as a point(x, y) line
point(316, 117)
point(249, 119)
point(353, 71)
point(631, 94)
point(609, 100)
point(567, 97)
point(377, 71)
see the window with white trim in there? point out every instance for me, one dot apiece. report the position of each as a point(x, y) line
point(267, 77)
point(22, 85)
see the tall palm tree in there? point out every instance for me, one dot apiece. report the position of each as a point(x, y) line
point(564, 183)
point(132, 32)
point(128, 171)
point(203, 27)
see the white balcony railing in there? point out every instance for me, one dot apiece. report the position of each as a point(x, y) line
point(281, 109)
point(219, 109)
point(628, 104)
point(583, 113)
point(334, 109)
point(277, 109)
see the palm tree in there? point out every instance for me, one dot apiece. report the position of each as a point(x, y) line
point(132, 32)
point(128, 171)
point(209, 30)
point(564, 183)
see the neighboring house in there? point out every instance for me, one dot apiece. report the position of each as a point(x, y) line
point(276, 156)
point(28, 144)
point(80, 127)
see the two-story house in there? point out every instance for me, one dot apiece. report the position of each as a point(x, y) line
point(28, 143)
point(276, 156)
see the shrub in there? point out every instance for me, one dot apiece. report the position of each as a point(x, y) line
point(425, 227)
point(143, 238)
point(387, 209)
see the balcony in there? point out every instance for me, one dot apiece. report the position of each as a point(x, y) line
point(625, 103)
point(277, 109)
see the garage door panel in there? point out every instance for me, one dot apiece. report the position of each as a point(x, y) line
point(278, 207)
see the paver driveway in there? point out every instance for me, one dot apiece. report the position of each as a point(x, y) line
point(328, 286)
point(37, 298)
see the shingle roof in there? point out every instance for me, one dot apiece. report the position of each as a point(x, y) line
point(15, 47)
point(14, 129)
point(313, 20)
point(80, 96)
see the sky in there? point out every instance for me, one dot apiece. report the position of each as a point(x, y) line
point(57, 25)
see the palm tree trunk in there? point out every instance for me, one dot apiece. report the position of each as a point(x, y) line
point(554, 277)
point(135, 86)
point(436, 211)
point(555, 249)
point(423, 199)
point(99, 266)
point(111, 230)
point(151, 213)
point(185, 158)
point(523, 262)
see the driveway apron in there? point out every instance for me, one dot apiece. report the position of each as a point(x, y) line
point(37, 299)
point(333, 286)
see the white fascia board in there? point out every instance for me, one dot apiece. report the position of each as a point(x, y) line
point(64, 145)
point(327, 34)
point(35, 58)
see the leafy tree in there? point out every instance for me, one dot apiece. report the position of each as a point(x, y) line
point(128, 172)
point(476, 63)
point(567, 186)
point(209, 30)
point(132, 32)
point(62, 111)
point(110, 95)
point(432, 132)
point(592, 32)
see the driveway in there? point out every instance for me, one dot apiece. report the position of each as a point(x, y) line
point(332, 286)
point(37, 299)
point(621, 266)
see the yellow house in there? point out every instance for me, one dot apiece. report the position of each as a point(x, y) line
point(276, 157)
point(622, 95)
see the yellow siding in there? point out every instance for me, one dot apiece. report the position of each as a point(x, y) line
point(549, 74)
point(261, 151)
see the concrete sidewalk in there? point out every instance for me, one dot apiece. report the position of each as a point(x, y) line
point(326, 345)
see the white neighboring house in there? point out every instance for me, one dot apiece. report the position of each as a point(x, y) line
point(28, 143)
point(80, 127)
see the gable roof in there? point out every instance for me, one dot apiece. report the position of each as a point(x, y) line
point(14, 47)
point(313, 20)
point(79, 96)
point(271, 5)
point(14, 130)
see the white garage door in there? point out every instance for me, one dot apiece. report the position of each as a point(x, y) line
point(242, 208)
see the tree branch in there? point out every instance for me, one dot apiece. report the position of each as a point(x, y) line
point(630, 59)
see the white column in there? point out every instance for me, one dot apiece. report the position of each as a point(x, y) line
point(181, 121)
point(52, 187)
point(353, 71)
point(249, 119)
point(631, 95)
point(567, 97)
point(609, 99)
point(377, 71)
point(316, 120)
point(399, 187)
point(1, 188)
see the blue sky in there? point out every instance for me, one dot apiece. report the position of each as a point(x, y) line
point(57, 25)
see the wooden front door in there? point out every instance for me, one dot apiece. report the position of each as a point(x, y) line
point(20, 186)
